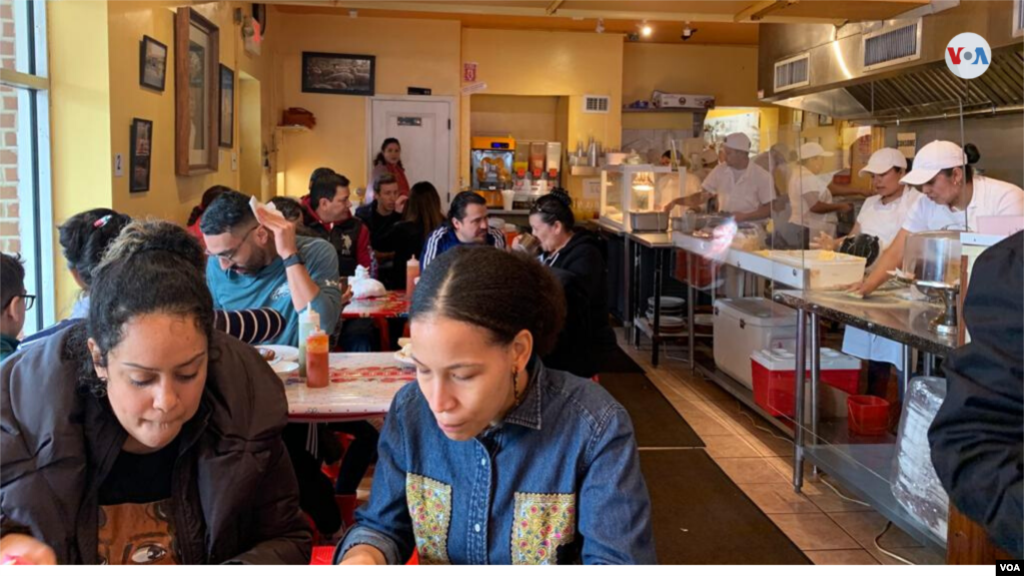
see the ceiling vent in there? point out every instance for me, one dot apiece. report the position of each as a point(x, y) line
point(596, 104)
point(792, 72)
point(892, 45)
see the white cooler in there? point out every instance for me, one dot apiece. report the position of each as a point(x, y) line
point(746, 325)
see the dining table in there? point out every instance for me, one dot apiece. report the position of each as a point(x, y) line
point(393, 304)
point(362, 385)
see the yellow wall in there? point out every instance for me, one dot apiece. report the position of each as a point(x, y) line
point(529, 63)
point(170, 196)
point(729, 73)
point(82, 167)
point(423, 53)
point(525, 118)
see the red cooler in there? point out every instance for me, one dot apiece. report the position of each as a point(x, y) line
point(774, 373)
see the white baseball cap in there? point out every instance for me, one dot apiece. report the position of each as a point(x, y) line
point(813, 150)
point(933, 158)
point(738, 141)
point(883, 160)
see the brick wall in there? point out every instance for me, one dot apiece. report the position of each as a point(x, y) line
point(9, 238)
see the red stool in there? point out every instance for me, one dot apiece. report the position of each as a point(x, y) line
point(322, 556)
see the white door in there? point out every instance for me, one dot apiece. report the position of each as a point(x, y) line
point(423, 126)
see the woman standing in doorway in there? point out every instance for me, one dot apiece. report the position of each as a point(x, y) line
point(389, 160)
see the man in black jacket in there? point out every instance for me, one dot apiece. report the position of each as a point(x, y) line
point(977, 437)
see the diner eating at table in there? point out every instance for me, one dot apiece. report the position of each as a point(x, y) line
point(464, 474)
point(169, 447)
point(467, 224)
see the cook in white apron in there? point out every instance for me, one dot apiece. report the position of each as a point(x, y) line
point(882, 216)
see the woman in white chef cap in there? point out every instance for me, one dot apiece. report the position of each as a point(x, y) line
point(881, 216)
point(954, 198)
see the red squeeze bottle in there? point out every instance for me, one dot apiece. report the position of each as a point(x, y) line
point(318, 374)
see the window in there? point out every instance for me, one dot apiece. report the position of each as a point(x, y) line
point(26, 221)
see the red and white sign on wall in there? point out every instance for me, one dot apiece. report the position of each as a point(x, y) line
point(469, 71)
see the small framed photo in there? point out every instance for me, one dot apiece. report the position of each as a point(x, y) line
point(227, 107)
point(350, 74)
point(825, 120)
point(141, 153)
point(152, 64)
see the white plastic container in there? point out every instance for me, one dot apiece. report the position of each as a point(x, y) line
point(746, 325)
point(825, 269)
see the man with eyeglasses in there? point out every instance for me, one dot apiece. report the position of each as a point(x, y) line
point(15, 303)
point(265, 265)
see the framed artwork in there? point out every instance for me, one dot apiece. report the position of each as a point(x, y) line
point(350, 74)
point(197, 90)
point(141, 153)
point(825, 120)
point(227, 106)
point(152, 64)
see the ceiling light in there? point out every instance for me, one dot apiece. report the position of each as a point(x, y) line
point(646, 30)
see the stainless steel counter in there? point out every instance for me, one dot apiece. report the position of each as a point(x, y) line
point(889, 314)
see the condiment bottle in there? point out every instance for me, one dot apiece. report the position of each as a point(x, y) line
point(318, 360)
point(309, 321)
point(412, 272)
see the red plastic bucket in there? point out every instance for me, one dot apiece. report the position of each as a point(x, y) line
point(868, 415)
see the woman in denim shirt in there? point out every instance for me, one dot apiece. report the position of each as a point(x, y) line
point(490, 458)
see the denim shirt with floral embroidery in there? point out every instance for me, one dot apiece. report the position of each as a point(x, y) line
point(557, 482)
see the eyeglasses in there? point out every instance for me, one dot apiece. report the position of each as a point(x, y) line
point(29, 300)
point(229, 255)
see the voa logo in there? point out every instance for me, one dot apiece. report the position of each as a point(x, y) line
point(967, 55)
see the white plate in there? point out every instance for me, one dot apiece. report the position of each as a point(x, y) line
point(285, 367)
point(282, 353)
point(667, 302)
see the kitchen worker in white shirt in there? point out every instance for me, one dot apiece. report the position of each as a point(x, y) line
point(809, 196)
point(882, 216)
point(954, 198)
point(743, 188)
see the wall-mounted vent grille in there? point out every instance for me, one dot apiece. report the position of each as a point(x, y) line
point(891, 46)
point(793, 72)
point(596, 104)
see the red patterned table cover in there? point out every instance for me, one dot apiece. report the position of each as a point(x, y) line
point(362, 386)
point(391, 305)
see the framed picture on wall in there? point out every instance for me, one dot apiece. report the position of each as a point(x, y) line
point(825, 120)
point(197, 90)
point(152, 64)
point(141, 153)
point(350, 74)
point(227, 106)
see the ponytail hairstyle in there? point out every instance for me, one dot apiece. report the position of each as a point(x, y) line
point(208, 197)
point(501, 292)
point(379, 160)
point(973, 155)
point(84, 239)
point(153, 267)
point(555, 207)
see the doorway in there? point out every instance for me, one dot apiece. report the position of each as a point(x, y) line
point(423, 126)
point(250, 142)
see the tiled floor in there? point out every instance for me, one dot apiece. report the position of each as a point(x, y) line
point(827, 528)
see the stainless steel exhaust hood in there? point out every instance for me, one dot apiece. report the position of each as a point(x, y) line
point(894, 70)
